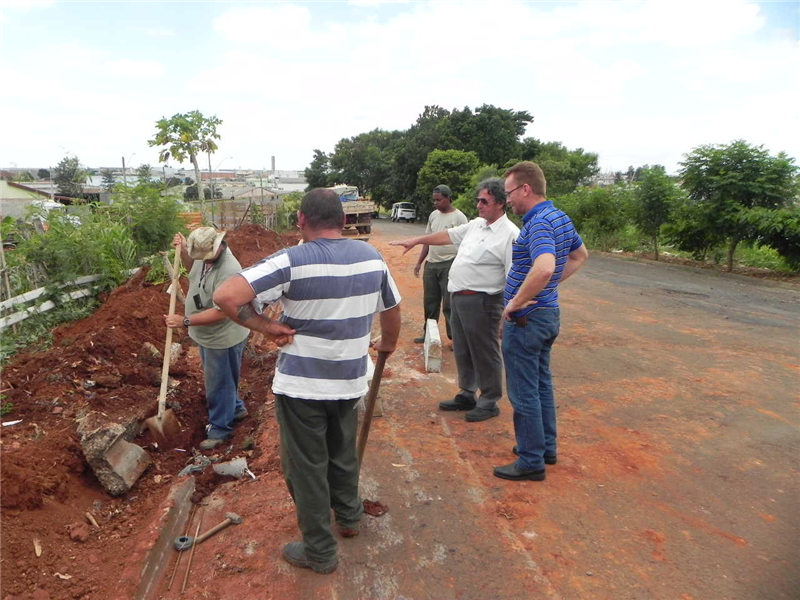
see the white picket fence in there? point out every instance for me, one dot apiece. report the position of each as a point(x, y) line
point(45, 306)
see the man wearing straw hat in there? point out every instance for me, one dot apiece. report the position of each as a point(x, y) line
point(221, 341)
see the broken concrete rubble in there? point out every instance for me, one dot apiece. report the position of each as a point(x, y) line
point(116, 462)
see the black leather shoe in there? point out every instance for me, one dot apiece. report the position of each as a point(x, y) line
point(295, 555)
point(481, 414)
point(548, 460)
point(514, 473)
point(456, 404)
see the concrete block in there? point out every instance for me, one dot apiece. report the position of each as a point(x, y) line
point(432, 347)
point(155, 548)
point(116, 462)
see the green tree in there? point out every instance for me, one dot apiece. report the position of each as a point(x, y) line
point(492, 133)
point(776, 228)
point(725, 181)
point(453, 168)
point(69, 177)
point(564, 169)
point(600, 214)
point(173, 181)
point(186, 135)
point(43, 174)
point(108, 180)
point(317, 172)
point(365, 161)
point(653, 202)
point(144, 174)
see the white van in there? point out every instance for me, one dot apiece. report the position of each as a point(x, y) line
point(404, 211)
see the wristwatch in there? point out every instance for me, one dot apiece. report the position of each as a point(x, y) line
point(186, 321)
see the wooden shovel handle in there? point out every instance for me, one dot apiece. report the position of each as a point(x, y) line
point(370, 408)
point(162, 395)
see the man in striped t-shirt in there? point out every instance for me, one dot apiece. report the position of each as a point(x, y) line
point(330, 288)
point(547, 251)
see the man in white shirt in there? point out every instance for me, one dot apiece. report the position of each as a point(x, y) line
point(476, 282)
point(439, 260)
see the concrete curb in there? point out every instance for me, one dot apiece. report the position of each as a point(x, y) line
point(169, 524)
point(433, 347)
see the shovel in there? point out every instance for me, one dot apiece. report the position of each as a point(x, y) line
point(370, 407)
point(165, 426)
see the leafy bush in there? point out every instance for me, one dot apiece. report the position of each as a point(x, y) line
point(151, 218)
point(600, 215)
point(287, 211)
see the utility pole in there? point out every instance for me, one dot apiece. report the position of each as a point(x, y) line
point(210, 178)
point(124, 173)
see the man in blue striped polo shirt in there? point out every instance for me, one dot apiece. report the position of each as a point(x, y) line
point(547, 251)
point(330, 288)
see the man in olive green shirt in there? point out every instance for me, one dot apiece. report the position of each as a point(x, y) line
point(440, 258)
point(221, 341)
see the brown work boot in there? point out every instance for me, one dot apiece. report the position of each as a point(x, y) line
point(349, 532)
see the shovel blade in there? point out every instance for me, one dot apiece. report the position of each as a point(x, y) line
point(165, 428)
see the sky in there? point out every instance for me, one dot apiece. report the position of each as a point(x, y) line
point(636, 82)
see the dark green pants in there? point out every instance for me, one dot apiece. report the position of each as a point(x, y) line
point(320, 466)
point(434, 293)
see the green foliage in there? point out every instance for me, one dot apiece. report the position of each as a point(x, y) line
point(778, 229)
point(108, 180)
point(725, 180)
point(151, 219)
point(654, 199)
point(600, 214)
point(764, 257)
point(144, 173)
point(185, 135)
point(43, 174)
point(492, 133)
point(68, 250)
point(317, 173)
point(69, 177)
point(287, 211)
point(23, 177)
point(453, 168)
point(6, 408)
point(564, 169)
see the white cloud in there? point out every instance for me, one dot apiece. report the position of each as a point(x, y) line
point(158, 32)
point(26, 5)
point(135, 68)
point(637, 82)
point(283, 26)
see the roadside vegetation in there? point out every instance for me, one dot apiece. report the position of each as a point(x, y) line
point(731, 204)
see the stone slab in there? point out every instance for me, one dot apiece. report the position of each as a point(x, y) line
point(433, 347)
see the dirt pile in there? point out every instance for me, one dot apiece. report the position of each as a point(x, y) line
point(98, 364)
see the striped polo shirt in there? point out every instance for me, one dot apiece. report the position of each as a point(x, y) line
point(545, 230)
point(330, 289)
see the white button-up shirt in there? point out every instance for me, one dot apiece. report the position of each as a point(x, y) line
point(484, 255)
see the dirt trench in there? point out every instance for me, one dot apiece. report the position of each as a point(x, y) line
point(97, 364)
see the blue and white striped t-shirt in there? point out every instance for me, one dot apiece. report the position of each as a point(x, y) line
point(545, 230)
point(330, 289)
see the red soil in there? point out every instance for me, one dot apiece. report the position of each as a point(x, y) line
point(94, 364)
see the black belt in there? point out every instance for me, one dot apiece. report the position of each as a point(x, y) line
point(466, 293)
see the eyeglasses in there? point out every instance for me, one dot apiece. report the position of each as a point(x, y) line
point(509, 192)
point(482, 201)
